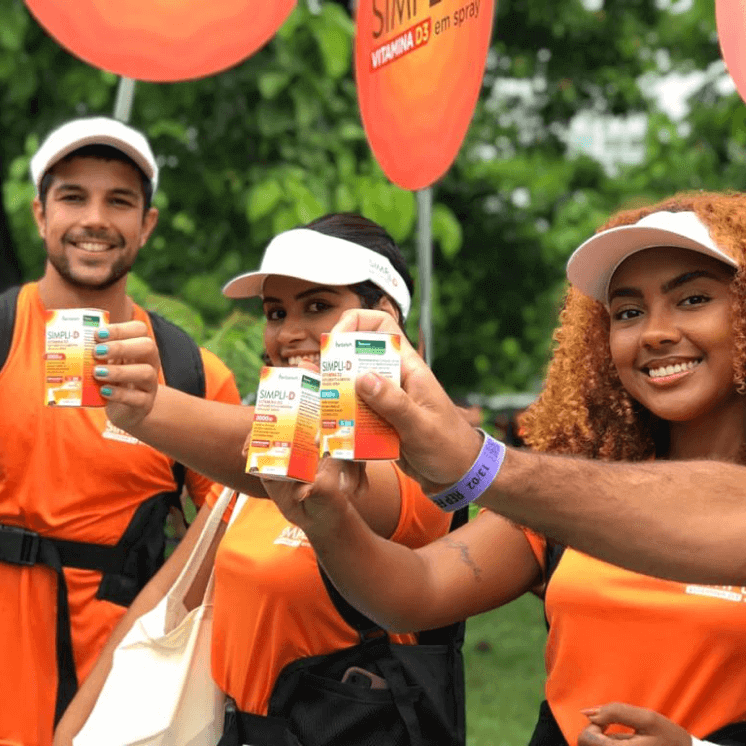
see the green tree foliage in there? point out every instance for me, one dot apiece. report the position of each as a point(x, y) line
point(277, 141)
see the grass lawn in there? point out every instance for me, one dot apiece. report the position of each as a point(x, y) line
point(504, 657)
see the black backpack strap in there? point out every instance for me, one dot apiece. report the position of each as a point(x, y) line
point(143, 542)
point(181, 359)
point(552, 555)
point(126, 568)
point(367, 628)
point(183, 369)
point(142, 551)
point(8, 299)
point(19, 546)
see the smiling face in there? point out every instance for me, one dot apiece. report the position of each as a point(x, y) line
point(93, 222)
point(671, 333)
point(299, 312)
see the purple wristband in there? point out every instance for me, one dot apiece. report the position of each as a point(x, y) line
point(474, 483)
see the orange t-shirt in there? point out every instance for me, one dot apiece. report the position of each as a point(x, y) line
point(271, 606)
point(69, 473)
point(616, 635)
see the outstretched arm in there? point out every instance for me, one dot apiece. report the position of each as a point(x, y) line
point(480, 566)
point(682, 520)
point(203, 434)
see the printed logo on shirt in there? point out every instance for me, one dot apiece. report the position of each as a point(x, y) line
point(292, 536)
point(725, 592)
point(112, 432)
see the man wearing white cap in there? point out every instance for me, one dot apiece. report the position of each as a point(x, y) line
point(82, 504)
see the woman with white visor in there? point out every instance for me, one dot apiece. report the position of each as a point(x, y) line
point(271, 606)
point(649, 366)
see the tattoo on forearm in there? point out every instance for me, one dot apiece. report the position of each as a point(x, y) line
point(463, 551)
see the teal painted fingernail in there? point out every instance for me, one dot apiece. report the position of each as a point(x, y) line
point(102, 349)
point(103, 334)
point(101, 372)
point(106, 391)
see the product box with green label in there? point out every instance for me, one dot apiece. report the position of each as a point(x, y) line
point(349, 428)
point(286, 425)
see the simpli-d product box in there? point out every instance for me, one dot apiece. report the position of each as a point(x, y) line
point(349, 428)
point(68, 357)
point(286, 423)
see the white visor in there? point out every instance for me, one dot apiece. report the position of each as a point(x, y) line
point(316, 257)
point(594, 262)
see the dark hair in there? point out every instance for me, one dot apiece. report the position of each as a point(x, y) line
point(360, 230)
point(104, 153)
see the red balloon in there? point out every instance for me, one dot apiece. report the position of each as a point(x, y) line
point(730, 17)
point(162, 40)
point(419, 67)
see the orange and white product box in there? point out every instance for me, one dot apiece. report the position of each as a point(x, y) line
point(68, 357)
point(350, 429)
point(286, 425)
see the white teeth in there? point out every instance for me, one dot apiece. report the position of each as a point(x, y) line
point(669, 370)
point(92, 246)
point(295, 360)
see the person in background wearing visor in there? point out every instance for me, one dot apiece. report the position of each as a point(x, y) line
point(649, 367)
point(72, 485)
point(271, 606)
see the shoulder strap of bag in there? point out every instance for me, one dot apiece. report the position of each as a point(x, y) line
point(183, 369)
point(8, 299)
point(196, 560)
point(552, 555)
point(181, 359)
point(367, 628)
point(450, 636)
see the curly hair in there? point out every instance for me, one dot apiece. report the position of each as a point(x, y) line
point(583, 408)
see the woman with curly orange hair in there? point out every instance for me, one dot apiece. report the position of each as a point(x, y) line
point(649, 365)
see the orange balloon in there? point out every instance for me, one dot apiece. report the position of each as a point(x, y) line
point(162, 40)
point(419, 67)
point(730, 17)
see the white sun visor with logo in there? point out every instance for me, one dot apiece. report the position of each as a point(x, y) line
point(315, 257)
point(594, 262)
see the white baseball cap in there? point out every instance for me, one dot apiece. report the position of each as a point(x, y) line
point(93, 131)
point(594, 262)
point(309, 255)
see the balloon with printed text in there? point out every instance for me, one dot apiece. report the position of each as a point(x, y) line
point(162, 40)
point(419, 68)
point(730, 18)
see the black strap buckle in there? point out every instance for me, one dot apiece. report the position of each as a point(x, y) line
point(18, 546)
